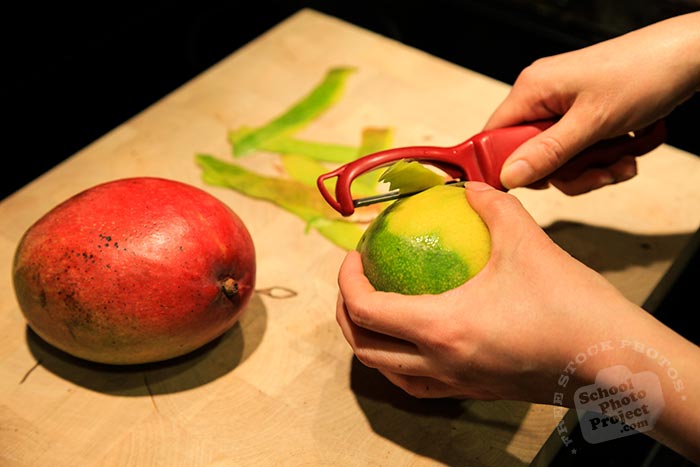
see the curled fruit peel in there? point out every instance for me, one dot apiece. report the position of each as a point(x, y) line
point(410, 177)
point(302, 162)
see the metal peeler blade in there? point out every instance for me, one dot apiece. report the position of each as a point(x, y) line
point(394, 195)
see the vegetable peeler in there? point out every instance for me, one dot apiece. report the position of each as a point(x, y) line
point(479, 158)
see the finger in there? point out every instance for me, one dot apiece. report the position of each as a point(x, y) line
point(513, 111)
point(542, 184)
point(502, 213)
point(594, 178)
point(543, 154)
point(589, 180)
point(524, 103)
point(624, 169)
point(410, 318)
point(380, 351)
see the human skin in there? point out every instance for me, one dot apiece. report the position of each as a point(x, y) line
point(512, 330)
point(602, 91)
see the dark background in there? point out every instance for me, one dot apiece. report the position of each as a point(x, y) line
point(72, 72)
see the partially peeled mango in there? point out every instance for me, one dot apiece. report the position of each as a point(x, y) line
point(426, 243)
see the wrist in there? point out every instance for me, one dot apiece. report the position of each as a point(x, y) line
point(644, 379)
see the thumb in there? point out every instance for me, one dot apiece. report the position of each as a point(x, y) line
point(502, 212)
point(540, 156)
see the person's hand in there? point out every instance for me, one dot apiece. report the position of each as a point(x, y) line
point(516, 328)
point(600, 92)
point(504, 334)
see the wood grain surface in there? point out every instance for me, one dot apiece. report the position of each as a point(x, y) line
point(282, 387)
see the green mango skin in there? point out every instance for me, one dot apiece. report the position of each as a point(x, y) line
point(427, 243)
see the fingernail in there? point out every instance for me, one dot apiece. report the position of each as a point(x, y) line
point(517, 173)
point(478, 186)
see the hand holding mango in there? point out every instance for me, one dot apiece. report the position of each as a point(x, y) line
point(509, 331)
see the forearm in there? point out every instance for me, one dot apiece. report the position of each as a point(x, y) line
point(680, 38)
point(676, 362)
point(663, 381)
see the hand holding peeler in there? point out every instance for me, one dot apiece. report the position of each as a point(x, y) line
point(480, 158)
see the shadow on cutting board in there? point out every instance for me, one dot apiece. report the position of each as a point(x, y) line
point(448, 430)
point(605, 249)
point(197, 368)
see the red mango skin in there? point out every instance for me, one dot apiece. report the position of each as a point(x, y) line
point(136, 270)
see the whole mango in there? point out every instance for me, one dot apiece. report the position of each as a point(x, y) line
point(135, 270)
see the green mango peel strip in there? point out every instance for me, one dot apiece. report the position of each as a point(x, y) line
point(301, 168)
point(410, 177)
point(291, 195)
point(303, 161)
point(342, 233)
point(321, 97)
point(307, 169)
point(284, 144)
point(373, 140)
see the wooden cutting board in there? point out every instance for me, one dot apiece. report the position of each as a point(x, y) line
point(282, 387)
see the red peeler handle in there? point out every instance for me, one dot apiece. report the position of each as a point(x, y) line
point(481, 158)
